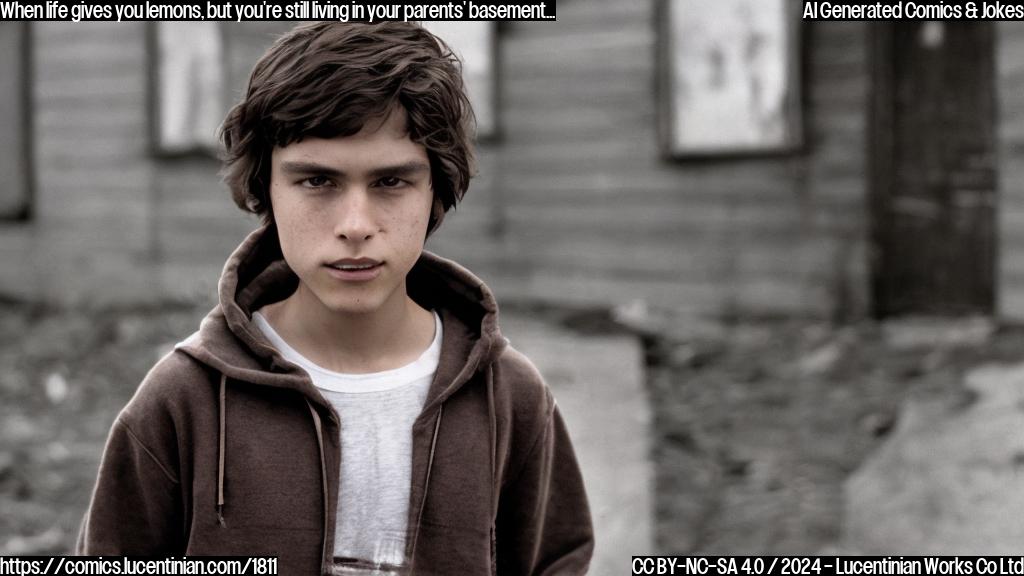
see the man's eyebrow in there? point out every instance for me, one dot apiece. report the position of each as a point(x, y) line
point(299, 167)
point(403, 169)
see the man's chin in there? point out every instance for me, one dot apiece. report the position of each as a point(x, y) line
point(365, 307)
point(362, 300)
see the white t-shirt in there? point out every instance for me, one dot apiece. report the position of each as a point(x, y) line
point(377, 412)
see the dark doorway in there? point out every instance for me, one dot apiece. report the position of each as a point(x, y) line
point(934, 168)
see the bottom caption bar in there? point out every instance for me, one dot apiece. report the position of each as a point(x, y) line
point(153, 566)
point(829, 565)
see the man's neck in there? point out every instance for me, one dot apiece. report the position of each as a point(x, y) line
point(390, 337)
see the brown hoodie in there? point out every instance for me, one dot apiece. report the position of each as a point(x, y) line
point(227, 448)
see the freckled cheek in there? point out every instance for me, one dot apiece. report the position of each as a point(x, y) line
point(407, 233)
point(296, 226)
point(417, 223)
point(300, 217)
point(407, 219)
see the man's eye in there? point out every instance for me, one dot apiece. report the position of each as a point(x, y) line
point(316, 181)
point(390, 182)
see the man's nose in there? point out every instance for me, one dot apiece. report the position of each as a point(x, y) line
point(355, 216)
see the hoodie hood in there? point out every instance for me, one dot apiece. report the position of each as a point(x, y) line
point(256, 275)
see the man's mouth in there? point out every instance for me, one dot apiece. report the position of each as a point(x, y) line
point(355, 269)
point(354, 264)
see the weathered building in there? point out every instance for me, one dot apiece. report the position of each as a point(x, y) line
point(576, 201)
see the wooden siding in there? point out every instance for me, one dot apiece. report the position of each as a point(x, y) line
point(586, 211)
point(573, 202)
point(112, 223)
point(91, 233)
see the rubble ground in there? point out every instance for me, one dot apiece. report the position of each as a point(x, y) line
point(64, 375)
point(758, 425)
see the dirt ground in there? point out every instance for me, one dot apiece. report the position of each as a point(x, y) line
point(756, 424)
point(63, 377)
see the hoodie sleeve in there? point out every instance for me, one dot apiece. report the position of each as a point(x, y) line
point(544, 524)
point(136, 504)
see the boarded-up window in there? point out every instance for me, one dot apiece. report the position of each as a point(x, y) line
point(730, 78)
point(189, 92)
point(14, 149)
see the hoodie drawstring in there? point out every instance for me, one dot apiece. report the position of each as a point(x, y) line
point(492, 430)
point(323, 477)
point(426, 488)
point(221, 449)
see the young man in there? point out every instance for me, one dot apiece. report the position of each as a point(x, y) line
point(350, 406)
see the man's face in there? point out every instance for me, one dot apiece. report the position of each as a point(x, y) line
point(352, 213)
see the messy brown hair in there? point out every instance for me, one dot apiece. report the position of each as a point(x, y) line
point(327, 80)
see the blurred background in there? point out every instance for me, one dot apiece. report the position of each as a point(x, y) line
point(797, 239)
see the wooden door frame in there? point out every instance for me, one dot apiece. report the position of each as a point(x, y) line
point(880, 142)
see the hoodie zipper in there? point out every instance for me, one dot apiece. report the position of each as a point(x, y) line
point(426, 488)
point(323, 482)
